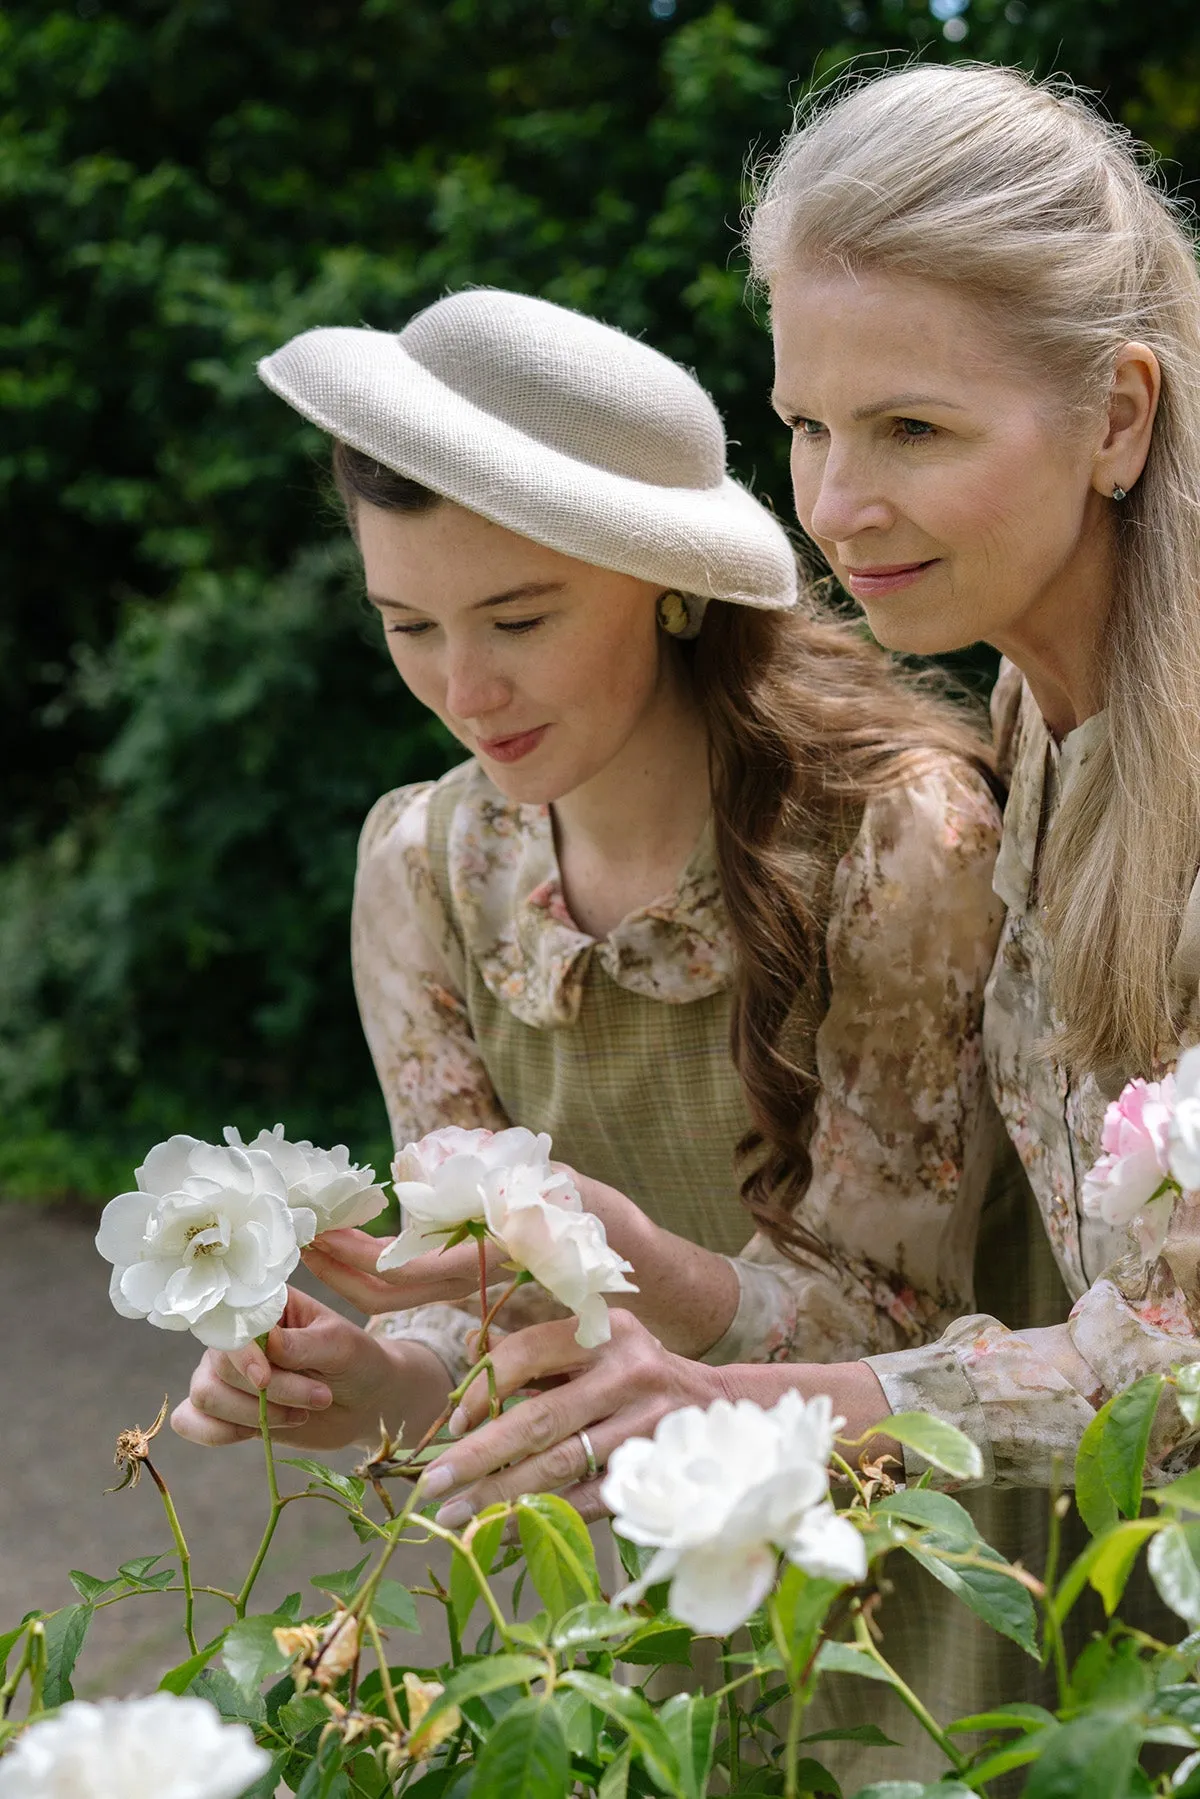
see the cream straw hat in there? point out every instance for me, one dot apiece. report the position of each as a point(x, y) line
point(554, 425)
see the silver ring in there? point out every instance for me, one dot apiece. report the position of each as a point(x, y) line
point(593, 1467)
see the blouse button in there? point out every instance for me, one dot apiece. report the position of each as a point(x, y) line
point(1059, 1206)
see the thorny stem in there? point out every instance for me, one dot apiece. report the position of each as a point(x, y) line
point(472, 1561)
point(1054, 1636)
point(185, 1559)
point(798, 1702)
point(925, 1719)
point(277, 1504)
point(409, 1465)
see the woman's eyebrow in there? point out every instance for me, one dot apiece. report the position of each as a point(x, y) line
point(896, 403)
point(530, 590)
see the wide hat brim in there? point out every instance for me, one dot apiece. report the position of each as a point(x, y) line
point(363, 387)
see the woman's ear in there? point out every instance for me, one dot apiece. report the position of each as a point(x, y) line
point(1132, 404)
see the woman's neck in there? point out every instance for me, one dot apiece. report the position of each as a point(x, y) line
point(1059, 643)
point(624, 838)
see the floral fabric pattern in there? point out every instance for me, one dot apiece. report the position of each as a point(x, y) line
point(904, 1138)
point(1026, 1397)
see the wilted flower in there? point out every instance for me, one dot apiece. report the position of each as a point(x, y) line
point(1134, 1163)
point(1184, 1134)
point(443, 1182)
point(133, 1449)
point(156, 1748)
point(421, 1695)
point(205, 1244)
point(322, 1652)
point(321, 1182)
point(564, 1248)
point(719, 1493)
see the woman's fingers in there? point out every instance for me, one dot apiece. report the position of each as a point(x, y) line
point(210, 1433)
point(563, 1466)
point(369, 1292)
point(346, 1261)
point(535, 1354)
point(217, 1405)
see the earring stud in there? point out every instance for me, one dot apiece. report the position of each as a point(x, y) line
point(1119, 494)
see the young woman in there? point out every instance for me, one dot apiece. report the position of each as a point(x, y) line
point(692, 809)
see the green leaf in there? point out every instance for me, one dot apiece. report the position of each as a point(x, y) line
point(525, 1754)
point(267, 1785)
point(347, 1486)
point(490, 1675)
point(89, 1588)
point(464, 1588)
point(1181, 1495)
point(845, 1658)
point(814, 1777)
point(869, 1734)
point(65, 1632)
point(343, 1583)
point(690, 1721)
point(177, 1680)
point(558, 1551)
point(250, 1651)
point(1116, 1553)
point(1017, 1716)
point(7, 1643)
point(628, 1709)
point(595, 1622)
point(614, 1783)
point(135, 1571)
point(1092, 1757)
point(1125, 1439)
point(1093, 1500)
point(940, 1443)
point(394, 1606)
point(802, 1604)
point(658, 1644)
point(299, 1715)
point(1187, 1391)
point(989, 1591)
point(1174, 1572)
point(223, 1692)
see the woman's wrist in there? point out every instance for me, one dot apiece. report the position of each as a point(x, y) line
point(413, 1390)
point(853, 1387)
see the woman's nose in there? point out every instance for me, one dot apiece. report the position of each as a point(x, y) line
point(847, 501)
point(474, 687)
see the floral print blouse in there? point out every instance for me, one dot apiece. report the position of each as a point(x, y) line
point(471, 973)
point(1026, 1397)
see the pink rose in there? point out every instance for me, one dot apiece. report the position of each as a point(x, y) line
point(1134, 1163)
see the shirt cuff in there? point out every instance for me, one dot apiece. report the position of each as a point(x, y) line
point(444, 1329)
point(761, 1328)
point(932, 1379)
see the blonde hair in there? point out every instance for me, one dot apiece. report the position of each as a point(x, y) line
point(1028, 203)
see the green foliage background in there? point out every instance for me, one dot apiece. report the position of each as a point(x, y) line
point(194, 710)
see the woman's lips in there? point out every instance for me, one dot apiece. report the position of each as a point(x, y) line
point(869, 583)
point(511, 749)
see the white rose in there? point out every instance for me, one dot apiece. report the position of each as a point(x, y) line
point(719, 1493)
point(443, 1182)
point(322, 1183)
point(205, 1244)
point(1184, 1133)
point(544, 1229)
point(156, 1748)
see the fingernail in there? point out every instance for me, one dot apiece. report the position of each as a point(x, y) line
point(295, 1415)
point(458, 1422)
point(457, 1512)
point(437, 1480)
point(320, 1396)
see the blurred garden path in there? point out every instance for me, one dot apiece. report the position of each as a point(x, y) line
point(72, 1375)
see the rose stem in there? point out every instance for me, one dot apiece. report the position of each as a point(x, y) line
point(243, 1597)
point(185, 1560)
point(862, 1637)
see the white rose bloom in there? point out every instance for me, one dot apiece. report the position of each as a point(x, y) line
point(326, 1191)
point(443, 1182)
point(542, 1225)
point(1184, 1132)
point(205, 1244)
point(719, 1493)
point(156, 1748)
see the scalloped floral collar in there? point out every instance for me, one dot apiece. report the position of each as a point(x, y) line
point(508, 898)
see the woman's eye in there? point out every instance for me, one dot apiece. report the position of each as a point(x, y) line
point(912, 429)
point(516, 627)
point(415, 630)
point(808, 428)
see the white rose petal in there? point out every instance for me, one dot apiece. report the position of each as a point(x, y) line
point(719, 1492)
point(205, 1244)
point(564, 1248)
point(1184, 1133)
point(156, 1748)
point(325, 1190)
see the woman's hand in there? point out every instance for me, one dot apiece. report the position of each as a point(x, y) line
point(345, 1260)
point(328, 1383)
point(620, 1390)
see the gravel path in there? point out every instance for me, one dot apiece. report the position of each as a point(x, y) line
point(74, 1375)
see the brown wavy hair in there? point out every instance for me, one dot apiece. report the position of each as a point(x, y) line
point(806, 719)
